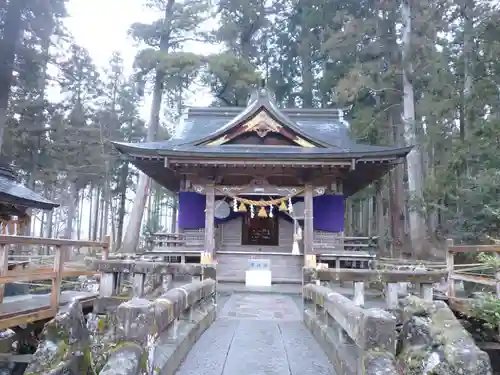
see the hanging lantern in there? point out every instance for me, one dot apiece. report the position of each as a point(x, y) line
point(252, 211)
point(242, 207)
point(235, 205)
point(262, 212)
point(271, 211)
point(290, 205)
point(282, 206)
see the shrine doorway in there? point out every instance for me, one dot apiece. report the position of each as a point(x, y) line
point(260, 231)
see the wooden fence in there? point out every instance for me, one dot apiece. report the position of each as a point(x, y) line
point(55, 273)
point(14, 227)
point(472, 272)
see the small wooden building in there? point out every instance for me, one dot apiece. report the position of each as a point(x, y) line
point(262, 182)
point(15, 201)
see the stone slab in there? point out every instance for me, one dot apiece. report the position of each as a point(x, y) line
point(260, 307)
point(305, 356)
point(257, 348)
point(170, 352)
point(126, 360)
point(257, 334)
point(208, 356)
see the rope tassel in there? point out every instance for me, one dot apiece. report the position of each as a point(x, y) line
point(283, 206)
point(262, 212)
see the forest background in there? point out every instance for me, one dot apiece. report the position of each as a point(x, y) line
point(408, 72)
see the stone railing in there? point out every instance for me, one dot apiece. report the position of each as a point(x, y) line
point(433, 341)
point(356, 340)
point(145, 276)
point(393, 281)
point(142, 337)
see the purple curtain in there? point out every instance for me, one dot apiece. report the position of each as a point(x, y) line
point(328, 212)
point(191, 210)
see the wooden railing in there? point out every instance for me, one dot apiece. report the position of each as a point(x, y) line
point(13, 227)
point(326, 245)
point(472, 272)
point(55, 273)
point(176, 240)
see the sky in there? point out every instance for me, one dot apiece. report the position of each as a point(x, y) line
point(101, 27)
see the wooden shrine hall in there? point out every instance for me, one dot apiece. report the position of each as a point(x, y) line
point(15, 201)
point(262, 183)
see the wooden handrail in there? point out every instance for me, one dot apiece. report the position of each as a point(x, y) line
point(15, 226)
point(452, 249)
point(474, 249)
point(55, 273)
point(24, 240)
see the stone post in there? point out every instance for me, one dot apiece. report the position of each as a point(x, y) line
point(427, 291)
point(391, 295)
point(138, 284)
point(107, 285)
point(359, 293)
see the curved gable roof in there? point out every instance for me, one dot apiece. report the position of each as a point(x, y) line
point(324, 127)
point(261, 100)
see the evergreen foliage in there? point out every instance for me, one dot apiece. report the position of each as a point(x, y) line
point(312, 53)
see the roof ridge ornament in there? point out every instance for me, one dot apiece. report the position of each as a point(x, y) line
point(262, 92)
point(341, 117)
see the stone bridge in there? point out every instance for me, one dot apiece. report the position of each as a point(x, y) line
point(194, 330)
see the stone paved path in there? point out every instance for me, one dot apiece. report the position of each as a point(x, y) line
point(257, 334)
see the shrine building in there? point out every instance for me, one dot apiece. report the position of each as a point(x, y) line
point(262, 182)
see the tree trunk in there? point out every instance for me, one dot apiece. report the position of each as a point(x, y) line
point(396, 194)
point(96, 213)
point(307, 70)
point(467, 107)
point(81, 204)
point(105, 217)
point(132, 234)
point(112, 215)
point(42, 222)
point(123, 200)
point(414, 160)
point(40, 119)
point(50, 219)
point(11, 31)
point(72, 202)
point(91, 210)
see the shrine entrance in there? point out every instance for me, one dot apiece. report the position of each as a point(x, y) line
point(260, 231)
point(262, 183)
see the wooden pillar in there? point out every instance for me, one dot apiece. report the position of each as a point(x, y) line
point(210, 220)
point(308, 220)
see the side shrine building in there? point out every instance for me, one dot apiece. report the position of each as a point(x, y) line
point(262, 182)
